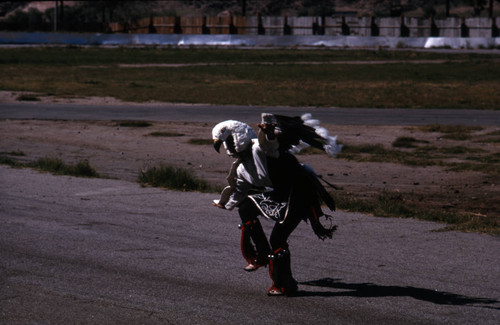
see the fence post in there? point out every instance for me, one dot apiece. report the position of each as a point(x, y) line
point(346, 31)
point(317, 28)
point(434, 28)
point(494, 28)
point(404, 31)
point(151, 26)
point(177, 25)
point(204, 28)
point(322, 27)
point(464, 30)
point(260, 27)
point(232, 27)
point(56, 13)
point(374, 30)
point(287, 30)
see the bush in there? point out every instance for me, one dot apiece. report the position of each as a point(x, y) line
point(58, 167)
point(174, 178)
point(407, 142)
point(134, 124)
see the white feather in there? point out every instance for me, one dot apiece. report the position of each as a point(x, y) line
point(306, 116)
point(331, 147)
point(312, 122)
point(242, 133)
point(298, 148)
point(322, 132)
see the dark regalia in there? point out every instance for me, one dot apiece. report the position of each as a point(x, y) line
point(267, 179)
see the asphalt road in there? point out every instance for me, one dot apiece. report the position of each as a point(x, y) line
point(249, 114)
point(100, 251)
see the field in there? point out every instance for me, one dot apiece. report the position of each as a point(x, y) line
point(327, 78)
point(442, 173)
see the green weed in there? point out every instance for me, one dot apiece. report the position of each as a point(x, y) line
point(441, 128)
point(58, 167)
point(493, 133)
point(78, 55)
point(407, 142)
point(399, 205)
point(165, 134)
point(452, 132)
point(28, 98)
point(202, 142)
point(134, 124)
point(424, 156)
point(457, 150)
point(10, 162)
point(55, 166)
point(96, 72)
point(490, 137)
point(175, 178)
point(378, 153)
point(13, 153)
point(489, 140)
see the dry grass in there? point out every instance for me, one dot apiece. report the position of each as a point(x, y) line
point(54, 165)
point(466, 83)
point(175, 178)
point(409, 205)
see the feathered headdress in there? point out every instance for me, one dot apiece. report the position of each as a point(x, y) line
point(240, 133)
point(296, 133)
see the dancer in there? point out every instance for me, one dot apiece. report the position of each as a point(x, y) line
point(266, 179)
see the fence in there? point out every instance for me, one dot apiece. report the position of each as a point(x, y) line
point(300, 26)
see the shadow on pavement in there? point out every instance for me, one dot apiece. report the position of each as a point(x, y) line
point(374, 290)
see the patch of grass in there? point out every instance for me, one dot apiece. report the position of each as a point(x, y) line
point(93, 82)
point(399, 205)
point(198, 141)
point(489, 140)
point(165, 134)
point(79, 55)
point(407, 142)
point(475, 223)
point(457, 150)
point(438, 152)
point(490, 137)
point(457, 136)
point(424, 156)
point(452, 132)
point(10, 162)
point(96, 72)
point(17, 153)
point(373, 149)
point(55, 166)
point(441, 128)
point(58, 167)
point(174, 178)
point(134, 124)
point(494, 133)
point(489, 164)
point(27, 98)
point(385, 205)
point(134, 84)
point(491, 169)
point(378, 153)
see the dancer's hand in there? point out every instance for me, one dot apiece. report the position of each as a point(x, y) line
point(268, 129)
point(220, 206)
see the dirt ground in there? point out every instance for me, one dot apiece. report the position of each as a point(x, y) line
point(121, 152)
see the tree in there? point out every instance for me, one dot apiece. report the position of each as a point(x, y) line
point(120, 11)
point(478, 6)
